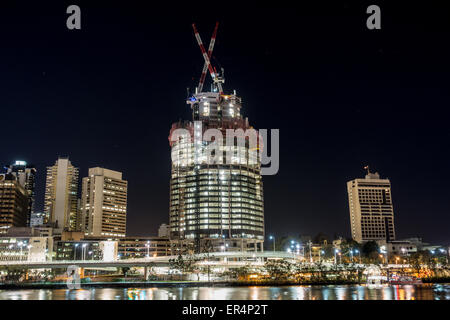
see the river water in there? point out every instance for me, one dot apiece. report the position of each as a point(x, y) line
point(331, 292)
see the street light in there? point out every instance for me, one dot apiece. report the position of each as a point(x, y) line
point(148, 249)
point(310, 254)
point(359, 254)
point(20, 244)
point(84, 251)
point(75, 252)
point(335, 251)
point(273, 238)
point(384, 254)
point(320, 254)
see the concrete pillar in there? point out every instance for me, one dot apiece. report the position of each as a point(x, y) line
point(145, 273)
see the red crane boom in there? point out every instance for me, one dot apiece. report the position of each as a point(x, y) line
point(205, 65)
point(205, 56)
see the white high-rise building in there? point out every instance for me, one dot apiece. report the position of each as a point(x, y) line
point(104, 203)
point(61, 190)
point(371, 210)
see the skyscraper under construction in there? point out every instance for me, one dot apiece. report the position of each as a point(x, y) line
point(219, 205)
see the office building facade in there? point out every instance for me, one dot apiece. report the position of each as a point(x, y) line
point(371, 209)
point(216, 204)
point(104, 203)
point(61, 189)
point(13, 203)
point(26, 175)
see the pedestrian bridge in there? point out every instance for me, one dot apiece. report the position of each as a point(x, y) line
point(219, 259)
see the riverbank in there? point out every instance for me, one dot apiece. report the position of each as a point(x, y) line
point(170, 284)
point(149, 284)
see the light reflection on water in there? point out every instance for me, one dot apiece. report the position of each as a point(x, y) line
point(360, 292)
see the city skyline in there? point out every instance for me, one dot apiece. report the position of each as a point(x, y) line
point(333, 117)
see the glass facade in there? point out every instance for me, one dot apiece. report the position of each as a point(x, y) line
point(220, 199)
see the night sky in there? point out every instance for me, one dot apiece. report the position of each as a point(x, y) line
point(342, 96)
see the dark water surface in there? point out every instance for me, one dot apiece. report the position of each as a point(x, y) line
point(331, 292)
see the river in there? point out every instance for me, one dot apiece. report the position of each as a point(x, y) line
point(329, 292)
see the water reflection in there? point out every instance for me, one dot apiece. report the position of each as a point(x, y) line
point(360, 292)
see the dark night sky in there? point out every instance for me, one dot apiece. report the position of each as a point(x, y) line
point(342, 96)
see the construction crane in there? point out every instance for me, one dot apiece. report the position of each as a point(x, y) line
point(205, 65)
point(217, 80)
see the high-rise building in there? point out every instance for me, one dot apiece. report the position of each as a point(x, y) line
point(215, 204)
point(61, 189)
point(13, 203)
point(371, 210)
point(104, 203)
point(26, 175)
point(37, 219)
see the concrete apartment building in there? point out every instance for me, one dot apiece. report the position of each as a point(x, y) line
point(371, 209)
point(60, 204)
point(104, 203)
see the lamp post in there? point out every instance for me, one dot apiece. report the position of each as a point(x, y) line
point(84, 251)
point(335, 251)
point(383, 252)
point(359, 254)
point(75, 251)
point(351, 255)
point(310, 253)
point(148, 249)
point(320, 254)
point(273, 238)
point(20, 246)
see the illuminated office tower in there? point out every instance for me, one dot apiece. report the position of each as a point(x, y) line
point(216, 197)
point(104, 203)
point(60, 203)
point(13, 203)
point(371, 210)
point(218, 205)
point(26, 176)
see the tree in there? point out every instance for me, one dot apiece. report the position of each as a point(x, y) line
point(125, 270)
point(237, 273)
point(349, 245)
point(370, 250)
point(321, 238)
point(185, 264)
point(278, 269)
point(207, 248)
point(13, 274)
